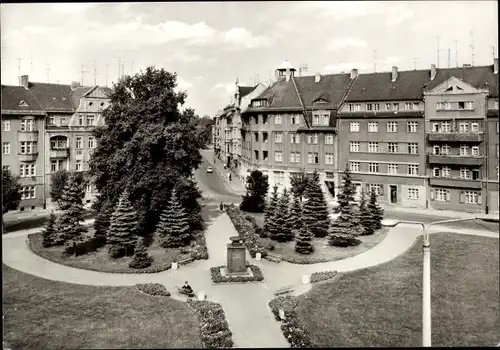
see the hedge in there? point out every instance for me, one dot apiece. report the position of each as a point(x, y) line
point(296, 333)
point(246, 231)
point(155, 289)
point(217, 277)
point(322, 276)
point(215, 332)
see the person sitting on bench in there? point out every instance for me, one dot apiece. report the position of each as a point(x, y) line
point(186, 288)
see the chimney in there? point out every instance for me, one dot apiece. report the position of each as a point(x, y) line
point(433, 71)
point(24, 81)
point(75, 84)
point(394, 73)
point(354, 73)
point(317, 77)
point(495, 65)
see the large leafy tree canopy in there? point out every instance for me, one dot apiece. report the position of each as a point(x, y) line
point(11, 191)
point(205, 129)
point(147, 146)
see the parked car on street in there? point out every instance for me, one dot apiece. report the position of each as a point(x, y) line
point(210, 169)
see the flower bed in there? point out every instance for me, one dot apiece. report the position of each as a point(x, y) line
point(217, 277)
point(297, 334)
point(322, 276)
point(199, 249)
point(155, 289)
point(246, 231)
point(215, 332)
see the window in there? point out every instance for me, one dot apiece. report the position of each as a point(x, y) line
point(392, 147)
point(79, 165)
point(79, 142)
point(27, 124)
point(27, 147)
point(264, 119)
point(439, 105)
point(464, 150)
point(496, 104)
point(295, 157)
point(350, 107)
point(80, 120)
point(7, 167)
point(436, 150)
point(475, 151)
point(313, 158)
point(26, 170)
point(388, 106)
point(357, 107)
point(278, 156)
point(442, 195)
point(279, 178)
point(264, 155)
point(354, 146)
point(312, 139)
point(6, 125)
point(465, 173)
point(354, 167)
point(329, 158)
point(392, 126)
point(28, 192)
point(373, 147)
point(369, 107)
point(395, 106)
point(445, 149)
point(58, 143)
point(92, 142)
point(376, 107)
point(376, 188)
point(407, 106)
point(463, 127)
point(415, 106)
point(354, 127)
point(412, 193)
point(445, 171)
point(413, 148)
point(474, 127)
point(256, 154)
point(6, 148)
point(277, 119)
point(315, 120)
point(412, 169)
point(372, 126)
point(56, 165)
point(435, 127)
point(278, 137)
point(294, 138)
point(445, 127)
point(90, 120)
point(373, 167)
point(471, 197)
point(412, 127)
point(436, 172)
point(447, 106)
point(392, 168)
point(295, 119)
point(79, 152)
point(326, 119)
point(329, 139)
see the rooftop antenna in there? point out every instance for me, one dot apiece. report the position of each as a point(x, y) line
point(19, 68)
point(449, 57)
point(438, 51)
point(119, 65)
point(472, 47)
point(48, 69)
point(415, 59)
point(83, 72)
point(95, 74)
point(375, 61)
point(456, 53)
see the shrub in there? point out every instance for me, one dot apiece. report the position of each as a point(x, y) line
point(90, 245)
point(303, 241)
point(141, 259)
point(322, 276)
point(218, 278)
point(215, 332)
point(246, 231)
point(155, 289)
point(296, 333)
point(199, 249)
point(271, 247)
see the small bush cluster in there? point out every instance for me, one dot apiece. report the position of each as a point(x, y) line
point(246, 231)
point(198, 248)
point(155, 289)
point(87, 246)
point(215, 332)
point(322, 276)
point(217, 277)
point(141, 258)
point(296, 333)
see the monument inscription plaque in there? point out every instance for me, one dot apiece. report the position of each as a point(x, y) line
point(236, 257)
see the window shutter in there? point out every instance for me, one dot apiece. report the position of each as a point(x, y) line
point(432, 194)
point(462, 197)
point(479, 198)
point(381, 189)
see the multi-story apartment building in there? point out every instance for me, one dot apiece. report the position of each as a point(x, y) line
point(216, 132)
point(382, 135)
point(461, 133)
point(70, 112)
point(291, 126)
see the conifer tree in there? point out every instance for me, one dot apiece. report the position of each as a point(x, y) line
point(303, 240)
point(173, 229)
point(365, 216)
point(69, 224)
point(269, 224)
point(296, 213)
point(49, 233)
point(315, 210)
point(121, 236)
point(103, 218)
point(283, 218)
point(141, 259)
point(377, 213)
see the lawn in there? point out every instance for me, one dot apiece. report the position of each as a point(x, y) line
point(381, 306)
point(43, 314)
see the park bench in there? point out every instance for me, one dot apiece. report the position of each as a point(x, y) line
point(273, 257)
point(185, 260)
point(284, 290)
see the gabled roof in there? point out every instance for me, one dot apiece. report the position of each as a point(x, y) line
point(245, 90)
point(77, 94)
point(52, 97)
point(331, 87)
point(14, 96)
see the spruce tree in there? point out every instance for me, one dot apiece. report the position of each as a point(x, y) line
point(141, 259)
point(377, 213)
point(303, 240)
point(69, 224)
point(345, 228)
point(103, 218)
point(49, 233)
point(283, 218)
point(173, 229)
point(269, 225)
point(296, 213)
point(121, 236)
point(315, 209)
point(365, 217)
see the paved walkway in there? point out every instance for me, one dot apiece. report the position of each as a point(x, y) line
point(245, 305)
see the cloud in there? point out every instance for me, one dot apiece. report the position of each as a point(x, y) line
point(72, 8)
point(382, 65)
point(223, 88)
point(244, 38)
point(341, 43)
point(183, 84)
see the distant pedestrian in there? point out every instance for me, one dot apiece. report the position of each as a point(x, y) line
point(221, 207)
point(230, 177)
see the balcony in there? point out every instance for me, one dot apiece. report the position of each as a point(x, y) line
point(456, 137)
point(455, 182)
point(456, 160)
point(27, 157)
point(59, 153)
point(27, 135)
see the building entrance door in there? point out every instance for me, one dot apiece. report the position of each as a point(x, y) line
point(394, 193)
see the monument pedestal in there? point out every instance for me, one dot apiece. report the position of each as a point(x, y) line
point(236, 259)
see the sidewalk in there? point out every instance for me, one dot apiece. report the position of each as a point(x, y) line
point(235, 185)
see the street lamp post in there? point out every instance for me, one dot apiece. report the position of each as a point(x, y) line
point(426, 285)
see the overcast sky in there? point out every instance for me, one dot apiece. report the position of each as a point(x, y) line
point(210, 44)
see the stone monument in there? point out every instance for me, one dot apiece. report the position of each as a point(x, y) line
point(236, 259)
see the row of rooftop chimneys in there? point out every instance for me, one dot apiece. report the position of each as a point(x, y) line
point(354, 72)
point(24, 81)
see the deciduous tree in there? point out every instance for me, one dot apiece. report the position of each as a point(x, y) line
point(11, 191)
point(257, 187)
point(299, 182)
